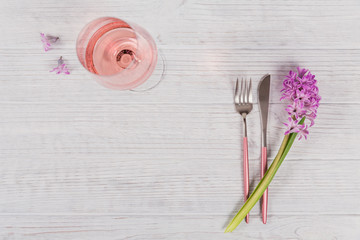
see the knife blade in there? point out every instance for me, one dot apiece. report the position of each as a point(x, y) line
point(264, 96)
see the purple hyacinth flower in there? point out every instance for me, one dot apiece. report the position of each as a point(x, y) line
point(301, 71)
point(301, 90)
point(295, 109)
point(47, 41)
point(303, 132)
point(301, 96)
point(311, 117)
point(61, 68)
point(292, 126)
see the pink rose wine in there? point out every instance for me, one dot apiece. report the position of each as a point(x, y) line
point(122, 56)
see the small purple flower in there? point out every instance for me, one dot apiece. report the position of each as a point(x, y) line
point(301, 96)
point(292, 126)
point(61, 68)
point(311, 117)
point(303, 132)
point(300, 88)
point(47, 41)
point(311, 106)
point(301, 71)
point(295, 109)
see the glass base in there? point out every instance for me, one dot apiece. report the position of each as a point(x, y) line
point(156, 77)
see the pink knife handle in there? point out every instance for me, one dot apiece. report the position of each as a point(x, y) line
point(265, 195)
point(246, 173)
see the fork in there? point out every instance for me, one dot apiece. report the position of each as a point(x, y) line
point(243, 105)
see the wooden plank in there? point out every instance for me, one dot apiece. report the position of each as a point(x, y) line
point(93, 227)
point(93, 182)
point(166, 130)
point(207, 79)
point(257, 24)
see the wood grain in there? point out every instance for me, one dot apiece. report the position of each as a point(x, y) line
point(118, 227)
point(79, 161)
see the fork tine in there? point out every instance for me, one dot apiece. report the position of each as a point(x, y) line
point(237, 95)
point(245, 95)
point(250, 93)
point(241, 91)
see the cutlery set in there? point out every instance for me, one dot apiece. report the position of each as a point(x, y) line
point(243, 105)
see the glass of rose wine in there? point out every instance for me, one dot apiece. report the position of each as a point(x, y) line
point(121, 55)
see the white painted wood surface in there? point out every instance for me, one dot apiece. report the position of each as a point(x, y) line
point(79, 161)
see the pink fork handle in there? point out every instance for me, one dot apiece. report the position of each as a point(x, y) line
point(265, 195)
point(246, 173)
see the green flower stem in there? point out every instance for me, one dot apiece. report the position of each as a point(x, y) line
point(265, 181)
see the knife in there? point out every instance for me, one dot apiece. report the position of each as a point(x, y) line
point(263, 94)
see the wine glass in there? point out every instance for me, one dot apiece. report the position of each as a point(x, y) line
point(121, 55)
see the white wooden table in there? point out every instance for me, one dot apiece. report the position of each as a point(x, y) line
point(79, 161)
